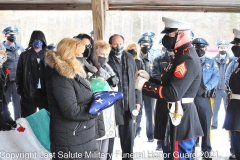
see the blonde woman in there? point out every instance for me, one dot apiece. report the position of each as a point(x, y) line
point(133, 49)
point(72, 127)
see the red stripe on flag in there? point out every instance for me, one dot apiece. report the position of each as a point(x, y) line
point(176, 157)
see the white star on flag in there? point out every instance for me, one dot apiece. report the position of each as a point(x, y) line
point(99, 100)
point(113, 94)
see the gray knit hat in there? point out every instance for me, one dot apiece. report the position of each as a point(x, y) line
point(2, 47)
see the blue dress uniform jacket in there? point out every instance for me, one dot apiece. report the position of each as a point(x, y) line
point(231, 67)
point(159, 64)
point(222, 69)
point(13, 55)
point(181, 79)
point(210, 73)
point(148, 61)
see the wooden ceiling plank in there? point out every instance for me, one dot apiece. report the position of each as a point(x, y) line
point(45, 7)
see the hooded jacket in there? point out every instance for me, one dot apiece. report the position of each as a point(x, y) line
point(72, 127)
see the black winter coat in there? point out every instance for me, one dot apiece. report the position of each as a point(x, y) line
point(26, 79)
point(72, 127)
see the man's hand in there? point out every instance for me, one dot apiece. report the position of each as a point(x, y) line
point(143, 74)
point(138, 106)
point(139, 82)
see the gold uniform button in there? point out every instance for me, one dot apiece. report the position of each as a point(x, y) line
point(155, 88)
point(161, 82)
point(150, 86)
point(161, 75)
point(145, 85)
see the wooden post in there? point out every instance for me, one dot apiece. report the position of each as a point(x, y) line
point(98, 19)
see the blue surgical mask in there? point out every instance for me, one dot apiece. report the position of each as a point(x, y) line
point(37, 44)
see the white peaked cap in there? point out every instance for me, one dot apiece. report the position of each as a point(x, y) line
point(236, 33)
point(236, 39)
point(175, 24)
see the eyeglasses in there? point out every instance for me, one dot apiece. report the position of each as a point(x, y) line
point(88, 46)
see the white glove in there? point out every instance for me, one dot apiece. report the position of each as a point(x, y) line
point(143, 74)
point(139, 82)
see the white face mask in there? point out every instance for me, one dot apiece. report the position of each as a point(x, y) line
point(1, 60)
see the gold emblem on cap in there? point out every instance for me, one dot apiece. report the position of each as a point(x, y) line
point(146, 38)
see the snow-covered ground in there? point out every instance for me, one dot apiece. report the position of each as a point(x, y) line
point(144, 150)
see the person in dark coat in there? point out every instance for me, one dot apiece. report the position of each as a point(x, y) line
point(6, 121)
point(125, 68)
point(177, 119)
point(231, 122)
point(29, 75)
point(13, 51)
point(133, 49)
point(72, 127)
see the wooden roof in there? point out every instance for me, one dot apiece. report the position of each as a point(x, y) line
point(136, 5)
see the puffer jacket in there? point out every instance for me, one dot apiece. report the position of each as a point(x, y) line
point(72, 127)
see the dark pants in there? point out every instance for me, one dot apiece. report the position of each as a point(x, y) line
point(220, 93)
point(205, 115)
point(138, 122)
point(231, 143)
point(148, 104)
point(11, 95)
point(102, 146)
point(236, 143)
point(182, 147)
point(126, 133)
point(5, 117)
point(110, 148)
point(29, 107)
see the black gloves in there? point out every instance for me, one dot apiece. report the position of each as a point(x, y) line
point(113, 81)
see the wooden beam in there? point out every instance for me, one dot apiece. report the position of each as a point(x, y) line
point(175, 8)
point(98, 19)
point(45, 7)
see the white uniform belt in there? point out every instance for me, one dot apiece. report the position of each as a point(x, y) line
point(186, 100)
point(235, 96)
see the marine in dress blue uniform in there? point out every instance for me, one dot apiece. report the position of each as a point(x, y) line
point(13, 51)
point(210, 76)
point(145, 43)
point(180, 82)
point(232, 117)
point(230, 70)
point(223, 59)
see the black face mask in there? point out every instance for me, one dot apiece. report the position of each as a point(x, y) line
point(145, 49)
point(200, 52)
point(87, 52)
point(80, 59)
point(132, 52)
point(236, 51)
point(222, 52)
point(169, 42)
point(102, 60)
point(11, 38)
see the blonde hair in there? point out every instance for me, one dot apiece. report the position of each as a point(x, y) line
point(5, 55)
point(100, 44)
point(129, 47)
point(67, 49)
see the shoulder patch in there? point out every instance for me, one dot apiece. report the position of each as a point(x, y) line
point(180, 70)
point(216, 66)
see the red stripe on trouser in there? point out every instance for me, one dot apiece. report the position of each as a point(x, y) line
point(175, 155)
